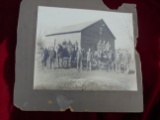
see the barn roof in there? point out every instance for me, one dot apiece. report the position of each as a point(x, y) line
point(73, 28)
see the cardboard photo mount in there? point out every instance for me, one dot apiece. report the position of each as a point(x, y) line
point(28, 99)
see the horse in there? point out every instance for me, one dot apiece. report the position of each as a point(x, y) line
point(123, 59)
point(106, 60)
point(97, 63)
point(126, 61)
point(63, 56)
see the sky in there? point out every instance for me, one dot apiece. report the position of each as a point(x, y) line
point(120, 24)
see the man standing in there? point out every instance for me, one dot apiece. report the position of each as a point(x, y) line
point(89, 58)
point(79, 59)
point(45, 57)
point(52, 56)
point(73, 57)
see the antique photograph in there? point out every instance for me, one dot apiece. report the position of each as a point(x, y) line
point(85, 50)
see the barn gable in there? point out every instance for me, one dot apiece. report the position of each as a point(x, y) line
point(74, 28)
point(98, 25)
point(89, 34)
point(99, 31)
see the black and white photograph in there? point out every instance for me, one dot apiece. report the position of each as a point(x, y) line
point(85, 50)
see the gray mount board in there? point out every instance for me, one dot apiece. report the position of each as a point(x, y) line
point(28, 99)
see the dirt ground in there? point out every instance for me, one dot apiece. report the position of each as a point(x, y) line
point(72, 79)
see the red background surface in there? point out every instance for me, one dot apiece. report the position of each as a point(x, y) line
point(148, 47)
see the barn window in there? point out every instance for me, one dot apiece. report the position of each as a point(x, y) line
point(101, 30)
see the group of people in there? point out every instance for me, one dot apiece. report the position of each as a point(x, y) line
point(68, 55)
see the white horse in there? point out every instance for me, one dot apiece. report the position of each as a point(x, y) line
point(123, 59)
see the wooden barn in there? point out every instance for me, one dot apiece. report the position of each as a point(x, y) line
point(87, 35)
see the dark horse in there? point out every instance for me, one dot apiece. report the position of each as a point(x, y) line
point(63, 56)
